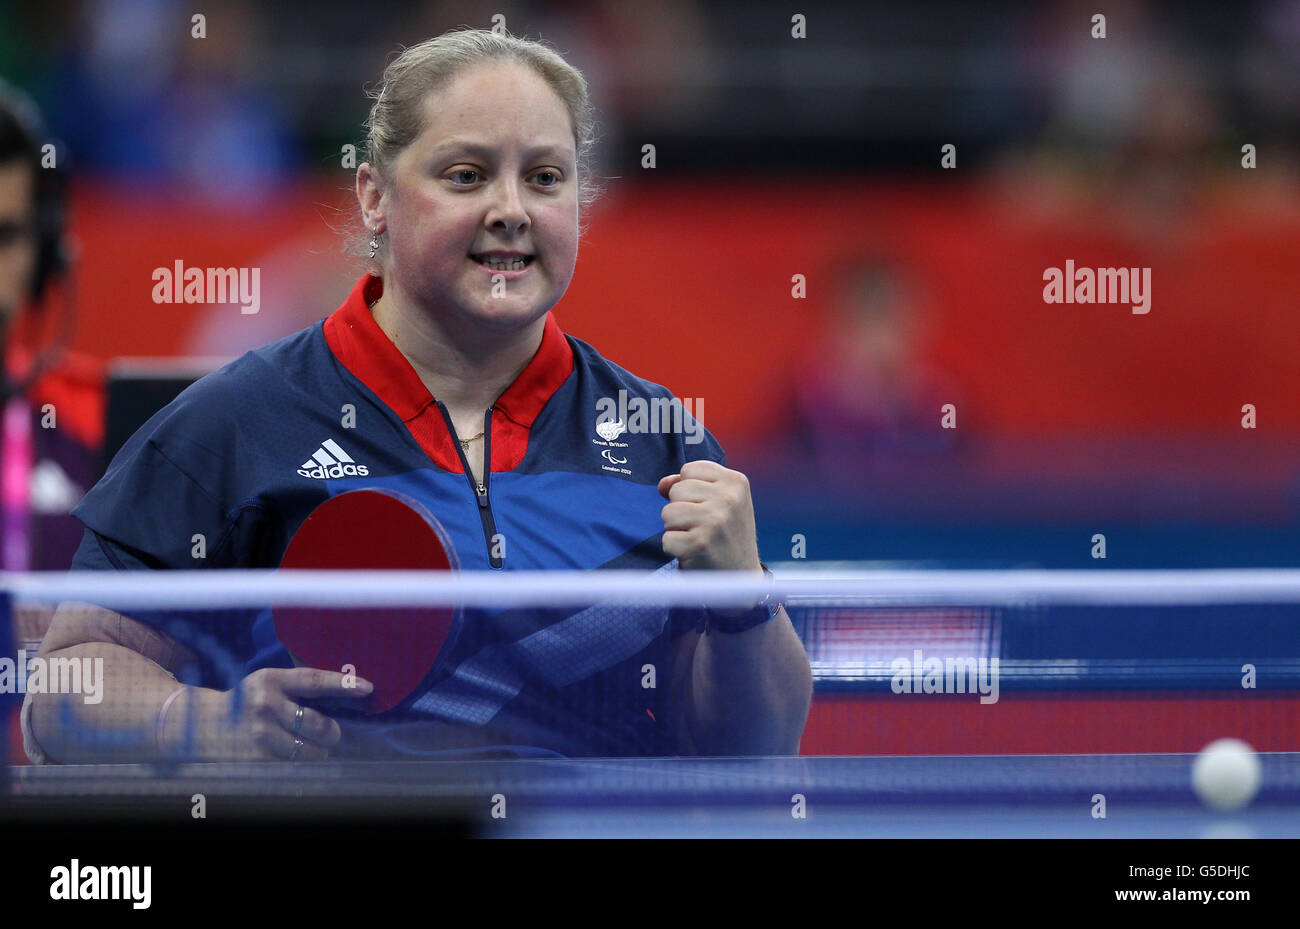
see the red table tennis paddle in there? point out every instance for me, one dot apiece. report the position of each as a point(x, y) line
point(393, 648)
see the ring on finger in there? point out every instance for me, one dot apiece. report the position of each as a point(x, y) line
point(297, 720)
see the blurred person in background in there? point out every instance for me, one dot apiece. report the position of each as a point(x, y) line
point(159, 107)
point(53, 399)
point(863, 391)
point(1133, 130)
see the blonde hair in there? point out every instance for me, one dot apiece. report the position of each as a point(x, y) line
point(397, 115)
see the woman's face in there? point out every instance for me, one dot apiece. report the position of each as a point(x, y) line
point(492, 171)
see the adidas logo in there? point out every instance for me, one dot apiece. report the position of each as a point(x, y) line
point(331, 461)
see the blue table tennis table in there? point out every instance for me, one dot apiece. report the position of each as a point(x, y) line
point(1029, 796)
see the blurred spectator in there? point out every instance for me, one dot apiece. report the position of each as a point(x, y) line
point(155, 104)
point(863, 389)
point(1138, 125)
point(52, 399)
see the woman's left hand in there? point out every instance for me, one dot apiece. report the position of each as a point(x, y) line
point(709, 519)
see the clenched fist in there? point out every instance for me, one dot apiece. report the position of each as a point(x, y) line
point(709, 519)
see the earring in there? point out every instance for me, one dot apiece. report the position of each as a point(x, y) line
point(374, 243)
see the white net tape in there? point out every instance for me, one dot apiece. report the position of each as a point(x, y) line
point(253, 589)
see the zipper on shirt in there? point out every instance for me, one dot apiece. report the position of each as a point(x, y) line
point(480, 488)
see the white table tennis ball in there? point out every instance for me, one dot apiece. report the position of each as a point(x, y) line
point(1226, 774)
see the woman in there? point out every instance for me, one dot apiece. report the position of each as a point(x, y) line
point(445, 376)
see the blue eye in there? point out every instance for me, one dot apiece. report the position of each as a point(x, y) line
point(551, 174)
point(465, 171)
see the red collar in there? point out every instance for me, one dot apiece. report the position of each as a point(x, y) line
point(362, 347)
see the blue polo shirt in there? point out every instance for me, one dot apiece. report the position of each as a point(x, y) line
point(244, 455)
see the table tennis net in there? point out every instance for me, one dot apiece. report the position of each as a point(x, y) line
point(597, 664)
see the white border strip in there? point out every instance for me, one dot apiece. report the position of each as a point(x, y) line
point(231, 589)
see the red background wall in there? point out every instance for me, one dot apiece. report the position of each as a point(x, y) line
point(688, 284)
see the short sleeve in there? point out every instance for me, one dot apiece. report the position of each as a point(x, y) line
point(162, 505)
point(96, 553)
point(150, 505)
point(222, 640)
point(699, 444)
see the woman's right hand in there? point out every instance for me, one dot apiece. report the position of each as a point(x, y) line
point(263, 728)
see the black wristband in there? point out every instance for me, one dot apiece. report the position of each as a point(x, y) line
point(766, 610)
